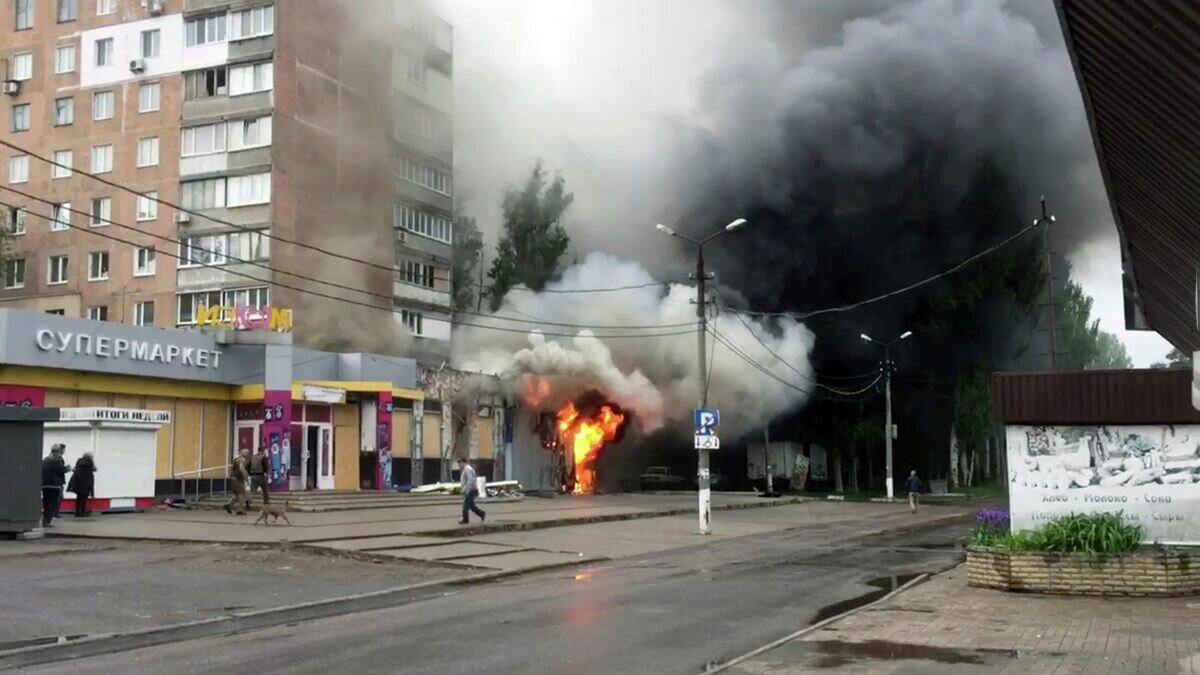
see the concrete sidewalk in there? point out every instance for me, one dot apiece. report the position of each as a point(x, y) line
point(944, 626)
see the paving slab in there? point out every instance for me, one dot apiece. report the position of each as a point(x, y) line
point(522, 560)
point(395, 542)
point(448, 551)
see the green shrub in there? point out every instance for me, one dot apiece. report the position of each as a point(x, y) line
point(1092, 533)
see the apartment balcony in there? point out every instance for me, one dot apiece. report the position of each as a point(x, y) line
point(221, 163)
point(225, 107)
point(431, 297)
point(221, 276)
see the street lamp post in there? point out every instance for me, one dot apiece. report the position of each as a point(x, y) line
point(702, 472)
point(887, 388)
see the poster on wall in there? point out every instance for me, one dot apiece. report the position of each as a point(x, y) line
point(1149, 473)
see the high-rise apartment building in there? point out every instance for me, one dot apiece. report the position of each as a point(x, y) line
point(307, 146)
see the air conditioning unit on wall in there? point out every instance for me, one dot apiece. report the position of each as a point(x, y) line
point(137, 65)
point(183, 217)
point(12, 87)
point(155, 7)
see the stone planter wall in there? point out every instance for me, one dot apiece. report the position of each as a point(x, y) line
point(1144, 573)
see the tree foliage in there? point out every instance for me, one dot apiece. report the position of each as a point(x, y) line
point(533, 238)
point(1112, 354)
point(1081, 343)
point(1175, 359)
point(464, 262)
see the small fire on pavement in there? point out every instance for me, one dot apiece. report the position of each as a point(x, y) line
point(586, 433)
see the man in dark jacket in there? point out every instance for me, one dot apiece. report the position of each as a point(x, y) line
point(913, 485)
point(259, 466)
point(83, 484)
point(54, 476)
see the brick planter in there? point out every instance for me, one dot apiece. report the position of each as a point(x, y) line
point(1148, 572)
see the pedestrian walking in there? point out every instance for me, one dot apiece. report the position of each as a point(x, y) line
point(83, 484)
point(54, 476)
point(258, 477)
point(239, 474)
point(913, 485)
point(470, 491)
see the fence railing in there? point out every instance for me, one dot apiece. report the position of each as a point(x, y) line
point(182, 477)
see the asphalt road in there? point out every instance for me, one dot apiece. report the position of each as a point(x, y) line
point(672, 612)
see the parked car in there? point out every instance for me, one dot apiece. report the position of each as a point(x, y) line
point(659, 477)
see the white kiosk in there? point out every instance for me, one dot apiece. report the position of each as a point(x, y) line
point(123, 442)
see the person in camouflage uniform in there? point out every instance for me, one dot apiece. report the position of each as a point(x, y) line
point(239, 475)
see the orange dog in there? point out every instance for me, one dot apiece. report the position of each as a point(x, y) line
point(276, 511)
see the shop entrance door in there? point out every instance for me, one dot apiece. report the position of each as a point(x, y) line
point(318, 457)
point(325, 468)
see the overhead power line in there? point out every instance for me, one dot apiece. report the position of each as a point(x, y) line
point(801, 316)
point(389, 309)
point(737, 351)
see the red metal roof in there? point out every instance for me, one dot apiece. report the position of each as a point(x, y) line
point(1095, 397)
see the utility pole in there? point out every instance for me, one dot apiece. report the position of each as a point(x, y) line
point(889, 428)
point(703, 475)
point(1045, 220)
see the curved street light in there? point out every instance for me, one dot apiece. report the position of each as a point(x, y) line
point(887, 386)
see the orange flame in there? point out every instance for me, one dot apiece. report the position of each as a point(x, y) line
point(587, 436)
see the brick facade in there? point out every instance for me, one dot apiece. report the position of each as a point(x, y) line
point(1154, 573)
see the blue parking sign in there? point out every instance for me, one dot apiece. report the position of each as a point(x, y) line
point(706, 421)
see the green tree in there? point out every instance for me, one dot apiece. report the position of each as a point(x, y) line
point(1175, 359)
point(972, 422)
point(1081, 343)
point(464, 261)
point(534, 238)
point(1112, 354)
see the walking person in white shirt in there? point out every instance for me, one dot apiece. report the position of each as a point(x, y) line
point(470, 491)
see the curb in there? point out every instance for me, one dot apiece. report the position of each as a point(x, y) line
point(258, 619)
point(721, 667)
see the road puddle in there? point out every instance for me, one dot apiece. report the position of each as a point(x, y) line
point(832, 654)
point(883, 586)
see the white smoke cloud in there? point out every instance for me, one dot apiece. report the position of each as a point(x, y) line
point(657, 378)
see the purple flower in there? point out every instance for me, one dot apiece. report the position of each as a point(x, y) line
point(992, 519)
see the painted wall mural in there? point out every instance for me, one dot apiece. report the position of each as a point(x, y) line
point(1149, 473)
point(277, 435)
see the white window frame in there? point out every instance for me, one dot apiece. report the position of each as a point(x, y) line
point(149, 97)
point(147, 152)
point(147, 206)
point(58, 266)
point(95, 311)
point(26, 117)
point(416, 273)
point(64, 162)
point(413, 219)
point(98, 266)
point(191, 136)
point(106, 7)
point(154, 48)
point(251, 78)
point(426, 176)
point(102, 158)
point(18, 169)
point(23, 14)
point(105, 48)
point(145, 262)
point(216, 28)
point(414, 321)
point(63, 64)
point(218, 193)
point(418, 70)
point(66, 10)
point(255, 296)
point(16, 225)
point(16, 269)
point(59, 212)
point(248, 190)
point(203, 250)
point(101, 111)
point(68, 118)
point(262, 130)
point(104, 217)
point(22, 66)
point(264, 16)
point(213, 298)
point(139, 313)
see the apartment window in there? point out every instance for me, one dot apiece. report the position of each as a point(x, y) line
point(423, 223)
point(206, 250)
point(104, 52)
point(101, 211)
point(249, 246)
point(14, 273)
point(150, 43)
point(63, 161)
point(16, 221)
point(190, 304)
point(66, 10)
point(104, 7)
point(18, 169)
point(205, 83)
point(22, 66)
point(203, 140)
point(251, 78)
point(64, 59)
point(245, 297)
point(64, 111)
point(203, 194)
point(416, 69)
point(415, 321)
point(56, 312)
point(102, 158)
point(205, 30)
point(423, 122)
point(425, 176)
point(144, 262)
point(416, 273)
point(60, 217)
point(143, 313)
point(252, 133)
point(98, 313)
point(24, 18)
point(20, 117)
point(249, 23)
point(147, 154)
point(98, 266)
point(102, 105)
point(247, 190)
point(148, 97)
point(147, 206)
point(58, 271)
